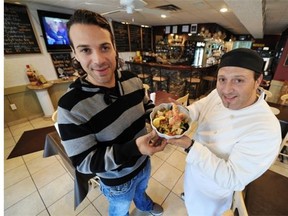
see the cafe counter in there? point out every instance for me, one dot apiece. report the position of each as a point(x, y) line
point(168, 77)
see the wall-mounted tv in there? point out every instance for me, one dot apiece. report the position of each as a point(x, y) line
point(54, 30)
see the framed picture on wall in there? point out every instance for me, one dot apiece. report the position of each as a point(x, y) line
point(167, 29)
point(185, 28)
point(193, 28)
point(174, 29)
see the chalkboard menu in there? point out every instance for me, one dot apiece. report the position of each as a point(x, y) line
point(62, 64)
point(146, 38)
point(121, 36)
point(135, 37)
point(19, 37)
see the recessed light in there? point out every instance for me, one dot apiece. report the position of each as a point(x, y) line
point(163, 16)
point(223, 10)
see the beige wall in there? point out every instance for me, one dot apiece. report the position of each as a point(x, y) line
point(26, 101)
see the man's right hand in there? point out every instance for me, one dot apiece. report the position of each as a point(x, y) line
point(150, 143)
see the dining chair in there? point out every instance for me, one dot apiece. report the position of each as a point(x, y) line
point(54, 119)
point(54, 116)
point(268, 94)
point(284, 99)
point(184, 100)
point(238, 205)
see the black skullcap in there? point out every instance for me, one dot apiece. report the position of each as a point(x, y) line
point(244, 58)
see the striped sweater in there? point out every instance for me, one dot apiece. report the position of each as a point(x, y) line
point(99, 137)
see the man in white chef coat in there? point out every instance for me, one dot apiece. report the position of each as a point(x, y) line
point(237, 139)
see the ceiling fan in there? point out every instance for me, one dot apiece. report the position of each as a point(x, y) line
point(132, 6)
point(128, 6)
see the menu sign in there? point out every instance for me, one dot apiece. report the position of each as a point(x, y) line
point(121, 36)
point(19, 37)
point(62, 64)
point(146, 37)
point(135, 37)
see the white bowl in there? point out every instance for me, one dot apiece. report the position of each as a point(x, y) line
point(182, 109)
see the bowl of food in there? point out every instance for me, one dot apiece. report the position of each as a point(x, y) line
point(170, 120)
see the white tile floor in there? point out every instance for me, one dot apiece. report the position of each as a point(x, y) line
point(34, 185)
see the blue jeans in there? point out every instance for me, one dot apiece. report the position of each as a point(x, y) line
point(121, 196)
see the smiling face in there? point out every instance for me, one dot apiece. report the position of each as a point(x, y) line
point(94, 50)
point(237, 87)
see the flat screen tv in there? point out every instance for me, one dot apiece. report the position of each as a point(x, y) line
point(54, 30)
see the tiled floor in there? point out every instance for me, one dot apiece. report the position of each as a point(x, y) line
point(42, 186)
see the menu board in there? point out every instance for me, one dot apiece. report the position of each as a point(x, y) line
point(146, 38)
point(135, 37)
point(62, 64)
point(121, 36)
point(19, 37)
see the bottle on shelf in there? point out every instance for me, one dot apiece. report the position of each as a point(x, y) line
point(31, 75)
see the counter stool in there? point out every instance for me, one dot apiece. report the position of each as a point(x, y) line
point(160, 80)
point(146, 75)
point(211, 83)
point(208, 79)
point(192, 86)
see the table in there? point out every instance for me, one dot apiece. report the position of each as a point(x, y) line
point(282, 116)
point(43, 97)
point(52, 147)
point(163, 97)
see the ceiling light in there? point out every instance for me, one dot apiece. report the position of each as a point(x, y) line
point(163, 16)
point(223, 10)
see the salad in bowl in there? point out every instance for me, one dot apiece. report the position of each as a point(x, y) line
point(170, 120)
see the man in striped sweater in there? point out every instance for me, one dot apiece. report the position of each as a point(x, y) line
point(102, 118)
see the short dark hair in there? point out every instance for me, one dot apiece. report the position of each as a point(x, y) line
point(82, 16)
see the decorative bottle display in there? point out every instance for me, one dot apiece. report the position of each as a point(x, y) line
point(138, 57)
point(31, 75)
point(34, 77)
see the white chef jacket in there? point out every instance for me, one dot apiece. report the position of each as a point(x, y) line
point(231, 149)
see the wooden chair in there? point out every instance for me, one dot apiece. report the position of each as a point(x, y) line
point(54, 117)
point(184, 100)
point(268, 94)
point(238, 205)
point(284, 148)
point(146, 87)
point(284, 99)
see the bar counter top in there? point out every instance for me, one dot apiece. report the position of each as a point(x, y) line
point(176, 75)
point(167, 66)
